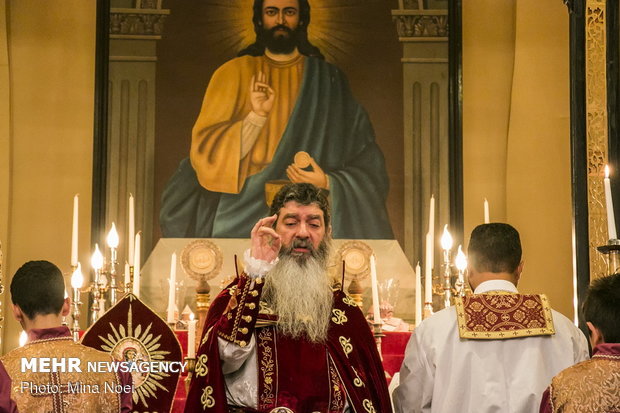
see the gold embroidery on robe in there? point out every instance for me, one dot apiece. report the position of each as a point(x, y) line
point(266, 338)
point(347, 347)
point(497, 316)
point(206, 399)
point(70, 392)
point(588, 387)
point(339, 316)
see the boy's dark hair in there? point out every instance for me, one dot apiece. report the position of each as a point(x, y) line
point(38, 288)
point(602, 307)
point(494, 248)
point(303, 194)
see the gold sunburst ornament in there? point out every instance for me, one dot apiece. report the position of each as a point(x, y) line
point(131, 332)
point(135, 345)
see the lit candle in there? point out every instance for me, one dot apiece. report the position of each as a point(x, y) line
point(96, 262)
point(461, 263)
point(486, 211)
point(171, 291)
point(136, 268)
point(428, 270)
point(418, 294)
point(131, 232)
point(609, 204)
point(375, 290)
point(74, 232)
point(112, 238)
point(191, 337)
point(446, 239)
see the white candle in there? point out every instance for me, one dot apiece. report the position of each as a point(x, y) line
point(609, 204)
point(428, 270)
point(418, 294)
point(486, 211)
point(191, 337)
point(461, 264)
point(131, 232)
point(172, 287)
point(136, 267)
point(375, 290)
point(431, 217)
point(74, 232)
point(127, 276)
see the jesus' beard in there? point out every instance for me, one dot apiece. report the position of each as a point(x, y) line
point(299, 289)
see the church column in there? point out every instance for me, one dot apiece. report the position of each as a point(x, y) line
point(134, 32)
point(596, 129)
point(424, 36)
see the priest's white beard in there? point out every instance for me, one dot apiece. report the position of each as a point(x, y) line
point(299, 290)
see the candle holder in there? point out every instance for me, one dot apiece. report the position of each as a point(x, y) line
point(75, 328)
point(129, 285)
point(112, 274)
point(96, 296)
point(377, 332)
point(428, 310)
point(191, 368)
point(612, 253)
point(447, 279)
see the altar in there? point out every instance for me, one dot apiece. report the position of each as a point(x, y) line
point(394, 272)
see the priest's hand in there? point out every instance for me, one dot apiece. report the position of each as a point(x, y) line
point(266, 242)
point(315, 177)
point(262, 95)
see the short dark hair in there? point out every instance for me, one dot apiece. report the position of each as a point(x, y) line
point(494, 248)
point(304, 46)
point(303, 194)
point(602, 306)
point(38, 288)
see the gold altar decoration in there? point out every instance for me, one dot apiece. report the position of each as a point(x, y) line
point(596, 129)
point(202, 261)
point(356, 258)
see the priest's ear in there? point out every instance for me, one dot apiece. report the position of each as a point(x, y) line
point(518, 271)
point(596, 336)
point(18, 313)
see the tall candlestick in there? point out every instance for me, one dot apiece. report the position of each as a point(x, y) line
point(74, 232)
point(131, 232)
point(609, 204)
point(486, 211)
point(375, 290)
point(127, 278)
point(136, 271)
point(418, 294)
point(428, 270)
point(171, 291)
point(191, 337)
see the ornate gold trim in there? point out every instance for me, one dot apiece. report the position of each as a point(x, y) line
point(596, 129)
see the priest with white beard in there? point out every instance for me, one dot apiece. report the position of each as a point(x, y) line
point(283, 336)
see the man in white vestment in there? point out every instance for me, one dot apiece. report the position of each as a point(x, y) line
point(495, 350)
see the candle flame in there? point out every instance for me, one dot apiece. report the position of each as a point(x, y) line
point(606, 171)
point(77, 278)
point(461, 260)
point(112, 238)
point(23, 338)
point(446, 239)
point(97, 259)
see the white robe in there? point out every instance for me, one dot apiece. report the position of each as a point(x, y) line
point(442, 373)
